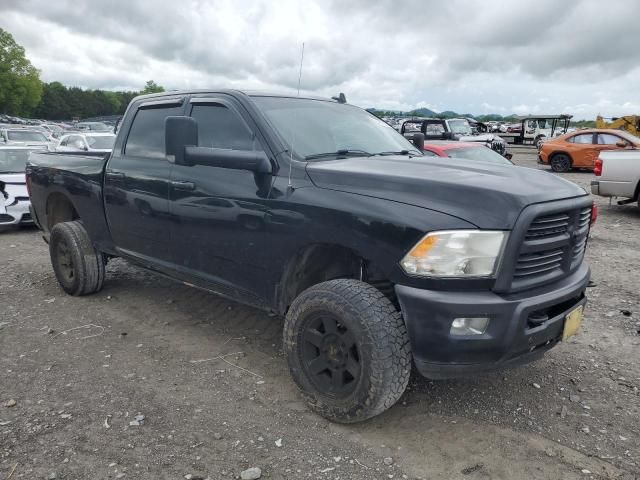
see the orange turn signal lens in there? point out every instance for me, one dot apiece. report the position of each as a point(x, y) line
point(423, 247)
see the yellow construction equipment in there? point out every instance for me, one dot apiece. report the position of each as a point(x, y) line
point(629, 123)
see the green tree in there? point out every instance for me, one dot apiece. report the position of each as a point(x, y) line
point(20, 86)
point(54, 104)
point(152, 87)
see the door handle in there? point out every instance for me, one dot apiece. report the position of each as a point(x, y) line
point(178, 185)
point(115, 175)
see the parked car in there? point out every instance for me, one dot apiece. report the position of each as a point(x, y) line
point(14, 199)
point(451, 129)
point(88, 142)
point(93, 126)
point(23, 136)
point(379, 259)
point(468, 150)
point(581, 148)
point(618, 175)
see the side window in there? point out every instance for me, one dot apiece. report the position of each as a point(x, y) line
point(146, 137)
point(608, 139)
point(584, 138)
point(219, 127)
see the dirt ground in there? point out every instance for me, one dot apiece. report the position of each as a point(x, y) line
point(208, 375)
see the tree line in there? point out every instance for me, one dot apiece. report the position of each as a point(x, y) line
point(59, 102)
point(23, 94)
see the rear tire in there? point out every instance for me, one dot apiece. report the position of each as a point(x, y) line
point(78, 266)
point(560, 163)
point(348, 350)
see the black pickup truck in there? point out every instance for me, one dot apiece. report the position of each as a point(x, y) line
point(377, 257)
point(453, 129)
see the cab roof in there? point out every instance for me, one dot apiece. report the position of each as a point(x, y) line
point(249, 93)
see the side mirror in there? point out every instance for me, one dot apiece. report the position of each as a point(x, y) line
point(179, 132)
point(254, 161)
point(447, 135)
point(418, 141)
point(622, 144)
point(508, 156)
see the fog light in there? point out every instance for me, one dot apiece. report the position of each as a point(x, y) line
point(469, 326)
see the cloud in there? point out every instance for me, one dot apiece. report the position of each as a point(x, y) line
point(460, 54)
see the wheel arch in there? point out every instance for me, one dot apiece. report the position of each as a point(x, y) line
point(319, 262)
point(59, 208)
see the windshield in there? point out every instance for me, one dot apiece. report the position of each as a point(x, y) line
point(102, 142)
point(460, 126)
point(478, 154)
point(13, 161)
point(53, 128)
point(315, 127)
point(25, 136)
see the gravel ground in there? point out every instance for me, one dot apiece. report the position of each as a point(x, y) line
point(150, 380)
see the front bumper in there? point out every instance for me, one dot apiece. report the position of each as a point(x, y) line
point(522, 326)
point(16, 214)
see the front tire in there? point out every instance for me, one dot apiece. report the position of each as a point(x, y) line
point(348, 350)
point(560, 163)
point(79, 268)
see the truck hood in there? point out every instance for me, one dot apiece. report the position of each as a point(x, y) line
point(486, 195)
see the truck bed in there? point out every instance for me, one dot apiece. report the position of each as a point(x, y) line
point(72, 177)
point(620, 174)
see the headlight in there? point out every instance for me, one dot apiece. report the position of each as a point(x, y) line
point(456, 253)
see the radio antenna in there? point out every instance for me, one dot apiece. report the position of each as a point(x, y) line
point(293, 138)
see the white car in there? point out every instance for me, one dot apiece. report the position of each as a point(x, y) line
point(14, 198)
point(87, 142)
point(23, 136)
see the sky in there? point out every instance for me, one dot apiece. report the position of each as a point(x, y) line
point(544, 57)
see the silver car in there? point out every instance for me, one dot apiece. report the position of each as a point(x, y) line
point(14, 197)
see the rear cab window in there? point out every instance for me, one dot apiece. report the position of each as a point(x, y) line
point(146, 135)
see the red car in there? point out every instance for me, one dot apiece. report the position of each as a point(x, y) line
point(466, 150)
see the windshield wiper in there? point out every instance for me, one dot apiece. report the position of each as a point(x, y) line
point(339, 153)
point(400, 152)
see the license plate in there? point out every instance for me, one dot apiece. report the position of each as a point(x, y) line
point(572, 322)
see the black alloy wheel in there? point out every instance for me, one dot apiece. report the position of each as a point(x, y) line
point(331, 359)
